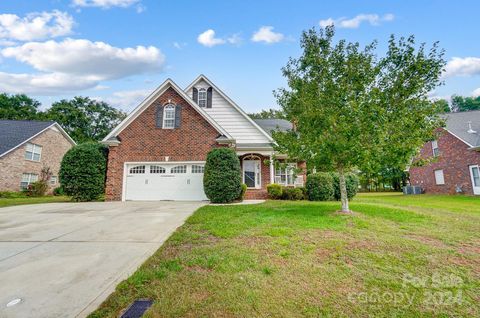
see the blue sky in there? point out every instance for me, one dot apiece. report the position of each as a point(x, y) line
point(119, 50)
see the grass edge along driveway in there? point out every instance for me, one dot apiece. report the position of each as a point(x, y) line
point(396, 256)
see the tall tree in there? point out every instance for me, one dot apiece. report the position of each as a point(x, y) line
point(443, 105)
point(267, 114)
point(353, 110)
point(462, 104)
point(19, 107)
point(85, 119)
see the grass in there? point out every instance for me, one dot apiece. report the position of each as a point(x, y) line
point(20, 200)
point(396, 256)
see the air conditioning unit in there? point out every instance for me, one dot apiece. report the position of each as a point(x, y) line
point(412, 190)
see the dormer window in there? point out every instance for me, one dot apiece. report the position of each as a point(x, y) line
point(169, 116)
point(202, 97)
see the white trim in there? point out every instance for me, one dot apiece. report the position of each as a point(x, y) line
point(164, 118)
point(468, 144)
point(272, 170)
point(440, 176)
point(240, 110)
point(63, 132)
point(470, 169)
point(152, 98)
point(258, 169)
point(125, 172)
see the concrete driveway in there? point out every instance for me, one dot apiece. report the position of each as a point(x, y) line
point(64, 259)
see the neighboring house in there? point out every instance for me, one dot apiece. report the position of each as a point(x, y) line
point(158, 152)
point(457, 150)
point(26, 147)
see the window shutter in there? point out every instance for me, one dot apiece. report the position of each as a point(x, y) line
point(178, 116)
point(159, 116)
point(195, 95)
point(209, 97)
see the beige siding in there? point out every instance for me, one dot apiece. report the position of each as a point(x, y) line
point(13, 165)
point(231, 119)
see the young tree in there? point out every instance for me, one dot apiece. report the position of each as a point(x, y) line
point(85, 119)
point(353, 110)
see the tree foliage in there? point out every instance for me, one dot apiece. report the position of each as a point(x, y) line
point(267, 114)
point(19, 107)
point(82, 171)
point(85, 119)
point(222, 179)
point(461, 104)
point(352, 109)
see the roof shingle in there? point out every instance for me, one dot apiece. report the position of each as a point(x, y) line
point(15, 132)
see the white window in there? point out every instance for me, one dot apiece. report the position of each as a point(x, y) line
point(439, 177)
point(435, 150)
point(137, 170)
point(33, 152)
point(179, 169)
point(169, 116)
point(53, 180)
point(157, 169)
point(198, 169)
point(285, 174)
point(27, 179)
point(202, 97)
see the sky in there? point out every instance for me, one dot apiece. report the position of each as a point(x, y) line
point(119, 51)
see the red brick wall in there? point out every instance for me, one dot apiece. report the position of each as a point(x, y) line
point(455, 159)
point(143, 141)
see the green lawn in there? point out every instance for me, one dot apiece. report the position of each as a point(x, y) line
point(396, 256)
point(4, 202)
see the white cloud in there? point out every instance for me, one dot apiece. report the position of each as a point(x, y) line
point(235, 39)
point(466, 66)
point(97, 60)
point(208, 39)
point(126, 100)
point(35, 26)
point(179, 45)
point(266, 34)
point(72, 65)
point(476, 92)
point(105, 4)
point(355, 22)
point(43, 84)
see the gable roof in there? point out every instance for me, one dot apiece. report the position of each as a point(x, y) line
point(230, 101)
point(273, 124)
point(457, 124)
point(14, 133)
point(111, 137)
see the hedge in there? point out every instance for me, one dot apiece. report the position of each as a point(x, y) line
point(320, 186)
point(222, 180)
point(82, 171)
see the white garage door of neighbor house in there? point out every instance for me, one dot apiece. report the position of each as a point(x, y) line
point(165, 181)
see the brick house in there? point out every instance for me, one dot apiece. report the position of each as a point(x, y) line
point(26, 147)
point(456, 152)
point(158, 152)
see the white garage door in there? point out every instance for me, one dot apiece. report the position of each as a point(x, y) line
point(165, 181)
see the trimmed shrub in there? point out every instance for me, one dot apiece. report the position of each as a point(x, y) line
point(222, 179)
point(242, 193)
point(320, 187)
point(292, 194)
point(58, 191)
point(82, 171)
point(351, 181)
point(274, 191)
point(11, 194)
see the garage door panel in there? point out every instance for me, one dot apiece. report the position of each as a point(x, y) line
point(172, 181)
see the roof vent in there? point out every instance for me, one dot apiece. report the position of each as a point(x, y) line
point(470, 130)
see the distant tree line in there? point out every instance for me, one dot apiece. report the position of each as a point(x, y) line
point(459, 104)
point(84, 119)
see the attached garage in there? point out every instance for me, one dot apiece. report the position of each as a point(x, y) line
point(181, 181)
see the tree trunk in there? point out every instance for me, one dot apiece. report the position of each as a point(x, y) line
point(343, 191)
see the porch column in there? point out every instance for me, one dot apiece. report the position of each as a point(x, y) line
point(272, 170)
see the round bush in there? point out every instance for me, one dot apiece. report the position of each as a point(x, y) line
point(351, 181)
point(320, 187)
point(292, 194)
point(82, 171)
point(274, 191)
point(222, 180)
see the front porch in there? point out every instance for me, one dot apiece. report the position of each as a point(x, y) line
point(258, 171)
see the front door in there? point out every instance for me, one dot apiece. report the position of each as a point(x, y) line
point(475, 175)
point(251, 173)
